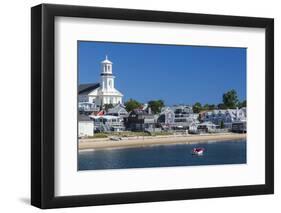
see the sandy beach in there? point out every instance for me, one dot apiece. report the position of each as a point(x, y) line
point(88, 144)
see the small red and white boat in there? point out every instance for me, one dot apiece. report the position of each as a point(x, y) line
point(198, 151)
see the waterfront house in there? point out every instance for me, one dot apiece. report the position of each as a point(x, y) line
point(206, 127)
point(193, 127)
point(140, 120)
point(182, 109)
point(184, 116)
point(108, 123)
point(166, 117)
point(119, 110)
point(85, 126)
point(242, 114)
point(177, 117)
point(183, 123)
point(239, 126)
point(224, 117)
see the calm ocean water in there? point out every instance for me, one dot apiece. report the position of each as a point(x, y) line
point(226, 152)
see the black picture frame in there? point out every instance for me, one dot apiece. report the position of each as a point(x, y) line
point(43, 114)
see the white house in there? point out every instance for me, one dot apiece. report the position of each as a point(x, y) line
point(103, 92)
point(177, 116)
point(108, 123)
point(167, 116)
point(227, 116)
point(85, 126)
point(206, 127)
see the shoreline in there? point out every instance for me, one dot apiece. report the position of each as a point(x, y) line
point(96, 144)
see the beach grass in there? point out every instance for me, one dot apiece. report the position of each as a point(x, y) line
point(99, 135)
point(128, 134)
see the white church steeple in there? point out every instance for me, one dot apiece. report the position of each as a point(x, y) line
point(105, 93)
point(106, 66)
point(107, 79)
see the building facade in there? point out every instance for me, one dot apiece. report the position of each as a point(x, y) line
point(104, 92)
point(108, 123)
point(177, 117)
point(85, 126)
point(140, 120)
point(118, 110)
point(166, 117)
point(225, 117)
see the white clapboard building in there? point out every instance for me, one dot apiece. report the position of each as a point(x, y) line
point(85, 126)
point(104, 92)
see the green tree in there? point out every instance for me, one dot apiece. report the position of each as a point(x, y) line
point(206, 107)
point(212, 106)
point(132, 104)
point(197, 107)
point(221, 106)
point(209, 107)
point(156, 105)
point(230, 99)
point(242, 104)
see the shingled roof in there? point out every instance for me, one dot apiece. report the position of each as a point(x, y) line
point(86, 88)
point(117, 109)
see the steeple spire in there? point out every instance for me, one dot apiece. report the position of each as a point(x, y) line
point(106, 61)
point(107, 79)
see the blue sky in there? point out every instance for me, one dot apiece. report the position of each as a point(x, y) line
point(174, 73)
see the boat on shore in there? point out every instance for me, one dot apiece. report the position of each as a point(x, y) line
point(115, 138)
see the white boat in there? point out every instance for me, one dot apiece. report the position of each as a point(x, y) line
point(114, 138)
point(198, 151)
